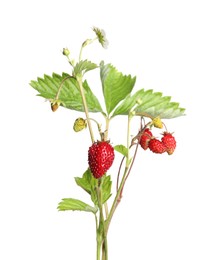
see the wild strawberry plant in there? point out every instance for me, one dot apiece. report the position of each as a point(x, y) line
point(72, 91)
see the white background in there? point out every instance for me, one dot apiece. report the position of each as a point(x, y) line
point(166, 212)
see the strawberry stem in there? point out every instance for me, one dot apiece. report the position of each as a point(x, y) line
point(60, 87)
point(79, 80)
point(101, 228)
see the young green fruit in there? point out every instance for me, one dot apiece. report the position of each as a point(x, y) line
point(79, 124)
point(100, 158)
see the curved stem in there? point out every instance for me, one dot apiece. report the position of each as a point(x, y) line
point(84, 44)
point(98, 125)
point(119, 172)
point(60, 87)
point(79, 79)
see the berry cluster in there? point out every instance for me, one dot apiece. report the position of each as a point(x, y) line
point(166, 144)
point(101, 153)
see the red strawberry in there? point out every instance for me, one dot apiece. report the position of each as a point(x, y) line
point(156, 146)
point(100, 158)
point(145, 138)
point(169, 141)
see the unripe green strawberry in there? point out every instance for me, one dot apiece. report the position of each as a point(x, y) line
point(145, 138)
point(100, 158)
point(169, 141)
point(156, 146)
point(157, 122)
point(79, 124)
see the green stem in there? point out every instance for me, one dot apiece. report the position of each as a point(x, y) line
point(98, 125)
point(98, 250)
point(79, 79)
point(128, 138)
point(120, 189)
point(107, 127)
point(116, 201)
point(84, 44)
point(105, 139)
point(101, 229)
point(60, 87)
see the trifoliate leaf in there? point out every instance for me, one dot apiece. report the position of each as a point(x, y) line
point(115, 86)
point(151, 104)
point(74, 204)
point(69, 94)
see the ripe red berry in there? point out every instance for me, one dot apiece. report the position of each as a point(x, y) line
point(156, 146)
point(145, 138)
point(169, 141)
point(100, 158)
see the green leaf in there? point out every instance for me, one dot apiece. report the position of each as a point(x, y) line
point(74, 204)
point(69, 94)
point(106, 188)
point(89, 184)
point(121, 149)
point(83, 66)
point(152, 104)
point(115, 86)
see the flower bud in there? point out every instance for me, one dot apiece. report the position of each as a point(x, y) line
point(85, 43)
point(66, 52)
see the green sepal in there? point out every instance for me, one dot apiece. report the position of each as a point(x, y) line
point(69, 95)
point(151, 104)
point(74, 204)
point(115, 85)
